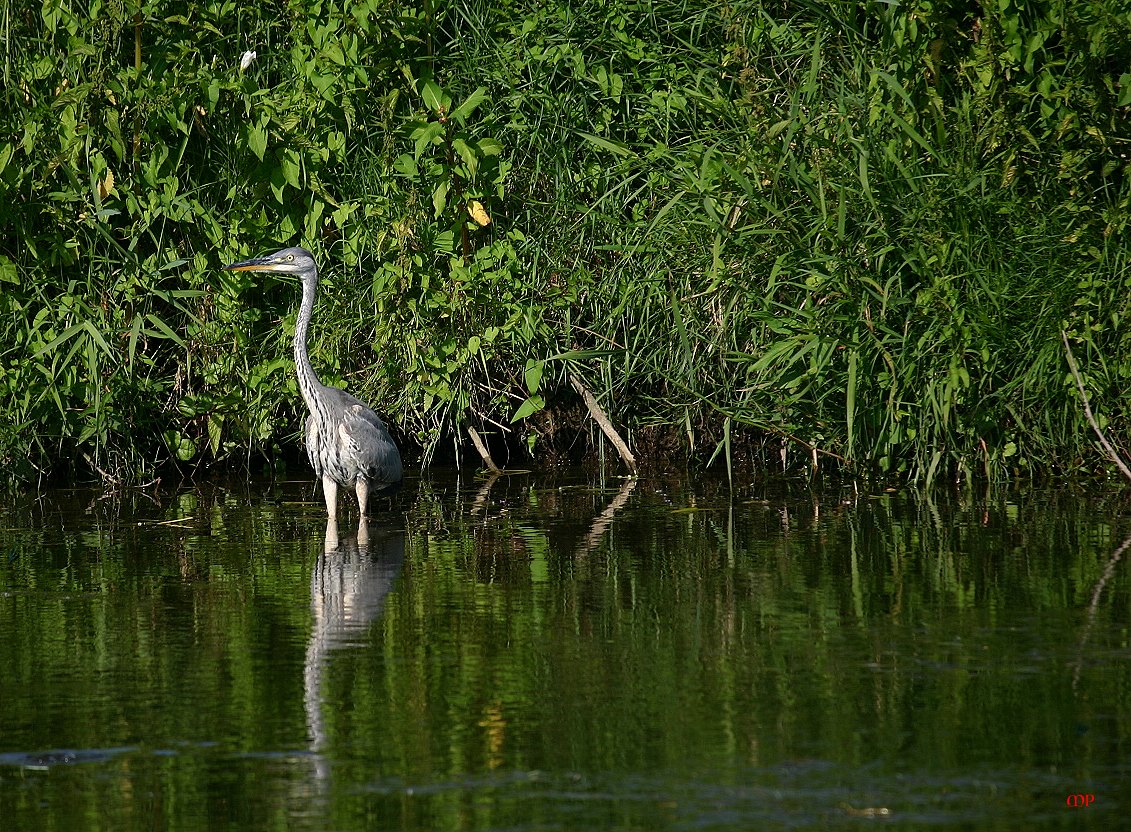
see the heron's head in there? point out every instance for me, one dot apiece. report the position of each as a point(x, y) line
point(287, 260)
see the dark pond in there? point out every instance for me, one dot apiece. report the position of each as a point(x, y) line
point(553, 653)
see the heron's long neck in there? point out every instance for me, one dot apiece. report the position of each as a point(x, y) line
point(308, 382)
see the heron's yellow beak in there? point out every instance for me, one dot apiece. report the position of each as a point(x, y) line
point(256, 264)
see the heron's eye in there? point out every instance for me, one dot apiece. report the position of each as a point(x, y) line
point(290, 258)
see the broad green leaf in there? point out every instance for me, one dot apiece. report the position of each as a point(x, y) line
point(8, 272)
point(531, 405)
point(406, 165)
point(445, 242)
point(466, 154)
point(440, 198)
point(288, 161)
point(278, 184)
point(533, 375)
point(469, 104)
point(257, 140)
point(433, 96)
point(1124, 92)
point(215, 431)
point(427, 135)
point(489, 147)
point(325, 85)
point(184, 448)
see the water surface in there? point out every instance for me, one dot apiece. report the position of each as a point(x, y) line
point(555, 653)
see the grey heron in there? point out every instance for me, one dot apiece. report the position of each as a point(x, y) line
point(347, 442)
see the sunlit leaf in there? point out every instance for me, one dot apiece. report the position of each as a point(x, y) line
point(164, 329)
point(427, 135)
point(444, 242)
point(533, 375)
point(8, 272)
point(406, 165)
point(106, 186)
point(469, 104)
point(489, 147)
point(433, 97)
point(257, 140)
point(289, 163)
point(215, 431)
point(478, 212)
point(440, 197)
point(62, 338)
point(466, 154)
point(531, 405)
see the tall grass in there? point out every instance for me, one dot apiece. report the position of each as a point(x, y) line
point(783, 226)
point(849, 233)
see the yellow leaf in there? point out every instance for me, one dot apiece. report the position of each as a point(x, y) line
point(106, 185)
point(478, 212)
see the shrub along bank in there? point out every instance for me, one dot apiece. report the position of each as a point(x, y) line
point(850, 232)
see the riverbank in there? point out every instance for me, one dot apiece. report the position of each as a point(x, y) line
point(854, 234)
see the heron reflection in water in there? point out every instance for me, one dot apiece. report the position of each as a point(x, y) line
point(348, 587)
point(347, 442)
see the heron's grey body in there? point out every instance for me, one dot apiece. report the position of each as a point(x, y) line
point(347, 443)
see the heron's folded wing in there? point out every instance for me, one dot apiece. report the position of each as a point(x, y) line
point(365, 438)
point(312, 448)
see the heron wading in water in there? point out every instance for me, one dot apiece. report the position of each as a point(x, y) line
point(347, 442)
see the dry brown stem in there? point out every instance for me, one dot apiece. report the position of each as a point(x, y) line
point(603, 422)
point(484, 454)
point(1107, 446)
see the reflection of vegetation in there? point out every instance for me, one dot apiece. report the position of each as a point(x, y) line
point(855, 632)
point(853, 228)
point(913, 636)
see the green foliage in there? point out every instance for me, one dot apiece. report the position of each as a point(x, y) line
point(455, 316)
point(853, 229)
point(856, 233)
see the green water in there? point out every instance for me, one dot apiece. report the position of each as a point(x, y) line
point(551, 653)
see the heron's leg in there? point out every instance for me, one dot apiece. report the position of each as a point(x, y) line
point(362, 488)
point(331, 542)
point(330, 492)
